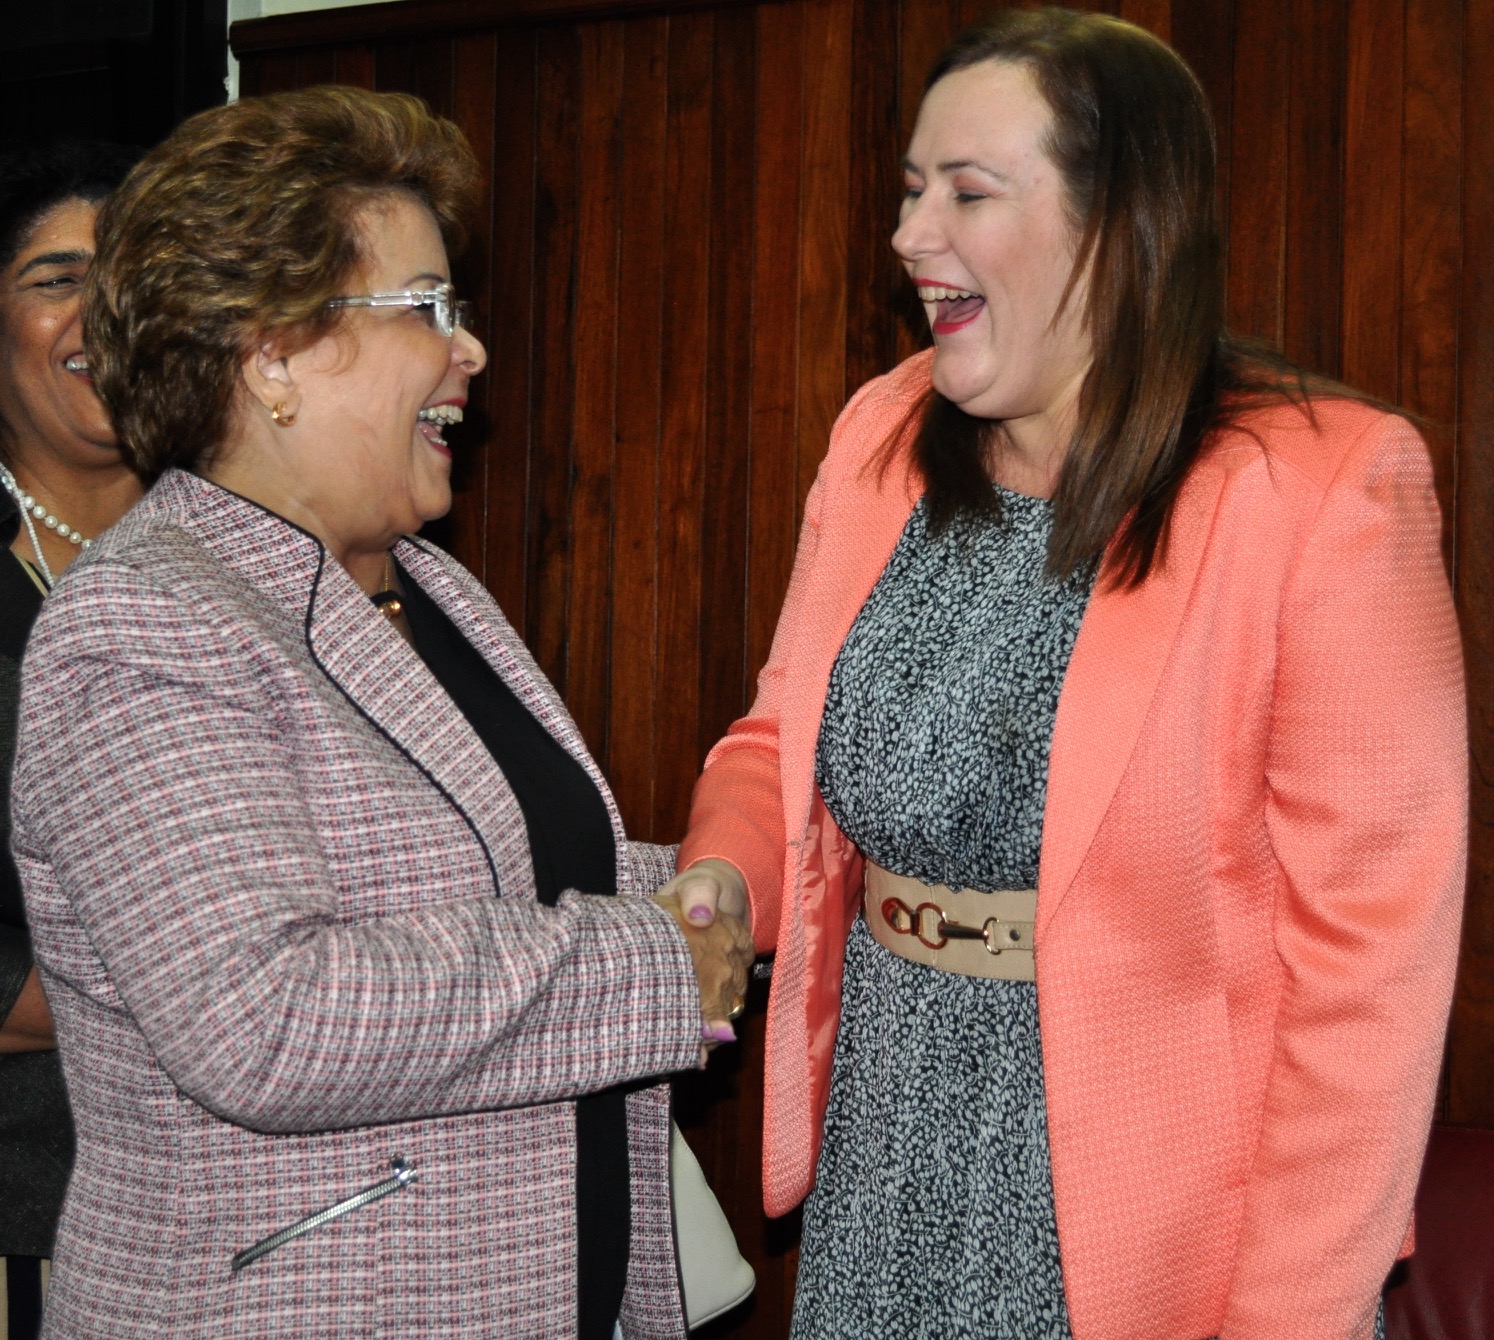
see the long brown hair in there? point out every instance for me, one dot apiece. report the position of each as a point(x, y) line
point(1133, 139)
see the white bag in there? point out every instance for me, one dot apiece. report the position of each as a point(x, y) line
point(715, 1274)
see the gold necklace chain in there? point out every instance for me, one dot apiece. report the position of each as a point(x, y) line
point(386, 598)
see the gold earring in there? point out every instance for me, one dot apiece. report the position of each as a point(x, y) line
point(281, 417)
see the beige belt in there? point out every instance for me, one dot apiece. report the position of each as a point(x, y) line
point(959, 930)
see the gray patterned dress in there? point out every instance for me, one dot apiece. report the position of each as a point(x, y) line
point(932, 1213)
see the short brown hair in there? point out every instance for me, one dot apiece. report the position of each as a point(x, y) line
point(1133, 139)
point(238, 229)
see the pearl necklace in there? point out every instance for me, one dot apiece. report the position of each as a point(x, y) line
point(31, 508)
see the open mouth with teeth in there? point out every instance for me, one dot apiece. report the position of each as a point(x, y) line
point(434, 418)
point(954, 308)
point(77, 363)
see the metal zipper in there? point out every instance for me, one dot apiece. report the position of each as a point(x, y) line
point(404, 1173)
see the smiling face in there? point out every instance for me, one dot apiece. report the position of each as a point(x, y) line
point(985, 236)
point(47, 404)
point(366, 460)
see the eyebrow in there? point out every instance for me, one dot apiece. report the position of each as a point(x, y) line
point(440, 279)
point(955, 165)
point(55, 258)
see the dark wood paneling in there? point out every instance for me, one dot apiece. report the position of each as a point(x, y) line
point(1204, 35)
point(686, 241)
point(1374, 126)
point(683, 268)
point(1431, 240)
point(775, 320)
point(872, 270)
point(1311, 279)
point(474, 76)
point(552, 389)
point(1257, 154)
point(644, 281)
point(824, 169)
point(355, 65)
point(416, 19)
point(727, 445)
point(1471, 1054)
point(513, 297)
point(593, 336)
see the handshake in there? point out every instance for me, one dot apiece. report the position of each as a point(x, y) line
point(709, 901)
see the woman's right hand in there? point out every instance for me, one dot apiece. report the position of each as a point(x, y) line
point(722, 952)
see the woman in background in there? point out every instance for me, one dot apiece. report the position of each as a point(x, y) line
point(63, 481)
point(1104, 797)
point(320, 872)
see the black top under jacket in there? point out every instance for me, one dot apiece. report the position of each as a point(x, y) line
point(571, 845)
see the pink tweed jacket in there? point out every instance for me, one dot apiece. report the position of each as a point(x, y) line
point(282, 902)
point(1250, 881)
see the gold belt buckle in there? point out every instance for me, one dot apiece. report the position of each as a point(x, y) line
point(907, 920)
point(928, 923)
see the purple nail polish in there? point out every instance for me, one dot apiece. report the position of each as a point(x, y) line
point(699, 913)
point(717, 1033)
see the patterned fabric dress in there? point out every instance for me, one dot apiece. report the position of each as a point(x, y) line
point(932, 1214)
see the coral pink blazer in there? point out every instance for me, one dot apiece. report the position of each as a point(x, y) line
point(1250, 884)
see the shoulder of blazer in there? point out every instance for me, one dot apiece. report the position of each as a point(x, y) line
point(159, 586)
point(1313, 440)
point(877, 411)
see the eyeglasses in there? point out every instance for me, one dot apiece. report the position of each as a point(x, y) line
point(439, 305)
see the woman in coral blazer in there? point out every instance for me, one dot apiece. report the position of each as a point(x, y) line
point(1252, 834)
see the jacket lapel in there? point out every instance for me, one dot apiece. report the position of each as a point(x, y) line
point(383, 677)
point(855, 544)
point(478, 618)
point(1123, 646)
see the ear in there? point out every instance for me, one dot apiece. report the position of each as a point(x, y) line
point(269, 379)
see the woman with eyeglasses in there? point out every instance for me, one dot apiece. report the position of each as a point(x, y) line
point(316, 861)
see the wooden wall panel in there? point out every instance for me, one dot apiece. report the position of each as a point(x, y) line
point(1312, 268)
point(774, 346)
point(685, 238)
point(1374, 126)
point(474, 75)
point(1431, 241)
point(727, 445)
point(558, 170)
point(643, 278)
point(1471, 1049)
point(510, 322)
point(825, 171)
point(592, 328)
point(1257, 153)
point(682, 268)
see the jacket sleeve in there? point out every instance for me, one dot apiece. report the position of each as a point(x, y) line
point(1366, 810)
point(649, 867)
point(162, 818)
